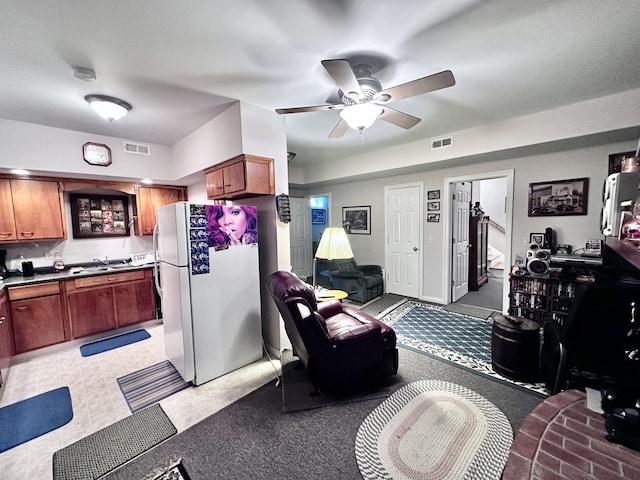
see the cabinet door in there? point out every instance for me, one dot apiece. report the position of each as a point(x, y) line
point(7, 219)
point(150, 198)
point(6, 336)
point(91, 311)
point(215, 184)
point(134, 302)
point(234, 179)
point(37, 322)
point(37, 209)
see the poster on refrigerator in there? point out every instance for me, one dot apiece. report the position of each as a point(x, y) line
point(219, 227)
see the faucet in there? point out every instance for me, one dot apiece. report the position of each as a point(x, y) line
point(103, 262)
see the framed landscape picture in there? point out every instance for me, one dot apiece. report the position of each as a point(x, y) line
point(357, 220)
point(318, 216)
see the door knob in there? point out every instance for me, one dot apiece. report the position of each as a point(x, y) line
point(415, 249)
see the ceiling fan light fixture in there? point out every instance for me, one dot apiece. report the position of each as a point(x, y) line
point(109, 108)
point(361, 115)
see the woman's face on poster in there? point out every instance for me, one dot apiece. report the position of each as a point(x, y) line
point(233, 221)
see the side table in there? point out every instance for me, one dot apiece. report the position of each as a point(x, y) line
point(331, 295)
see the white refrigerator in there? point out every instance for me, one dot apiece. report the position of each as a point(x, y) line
point(209, 284)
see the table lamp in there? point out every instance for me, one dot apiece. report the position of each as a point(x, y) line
point(334, 244)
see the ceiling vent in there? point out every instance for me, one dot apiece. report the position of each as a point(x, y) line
point(441, 143)
point(137, 148)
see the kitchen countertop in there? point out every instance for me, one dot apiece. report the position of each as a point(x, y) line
point(88, 271)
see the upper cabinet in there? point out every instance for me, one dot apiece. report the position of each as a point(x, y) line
point(31, 210)
point(240, 177)
point(150, 198)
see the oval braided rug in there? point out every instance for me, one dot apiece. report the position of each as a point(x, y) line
point(434, 430)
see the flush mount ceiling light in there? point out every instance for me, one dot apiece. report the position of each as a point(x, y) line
point(109, 108)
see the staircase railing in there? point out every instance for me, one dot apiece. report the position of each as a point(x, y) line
point(497, 226)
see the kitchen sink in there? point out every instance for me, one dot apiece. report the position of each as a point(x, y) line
point(102, 268)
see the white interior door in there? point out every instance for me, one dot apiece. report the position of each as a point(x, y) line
point(460, 235)
point(300, 237)
point(403, 255)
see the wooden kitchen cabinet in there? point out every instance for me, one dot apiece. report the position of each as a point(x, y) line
point(150, 198)
point(31, 210)
point(6, 337)
point(240, 177)
point(106, 302)
point(36, 316)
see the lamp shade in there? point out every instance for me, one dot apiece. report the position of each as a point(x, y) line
point(361, 115)
point(334, 244)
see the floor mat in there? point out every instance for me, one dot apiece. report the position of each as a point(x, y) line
point(459, 339)
point(150, 385)
point(107, 449)
point(28, 419)
point(110, 343)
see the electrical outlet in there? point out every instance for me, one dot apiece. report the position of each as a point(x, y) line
point(525, 241)
point(431, 238)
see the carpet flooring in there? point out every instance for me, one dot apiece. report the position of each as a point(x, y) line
point(28, 419)
point(456, 338)
point(299, 394)
point(107, 449)
point(252, 438)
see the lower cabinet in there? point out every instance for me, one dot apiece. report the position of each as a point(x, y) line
point(36, 316)
point(101, 303)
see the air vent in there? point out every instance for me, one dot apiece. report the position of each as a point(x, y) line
point(441, 143)
point(137, 148)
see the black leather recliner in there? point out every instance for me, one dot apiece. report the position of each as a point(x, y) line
point(341, 347)
point(361, 282)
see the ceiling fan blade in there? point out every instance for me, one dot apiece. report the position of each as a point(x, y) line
point(343, 75)
point(398, 118)
point(339, 130)
point(416, 87)
point(315, 108)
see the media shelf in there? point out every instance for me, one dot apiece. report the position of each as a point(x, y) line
point(549, 297)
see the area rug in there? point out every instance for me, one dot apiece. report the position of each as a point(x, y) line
point(110, 343)
point(28, 419)
point(299, 394)
point(107, 449)
point(434, 429)
point(470, 310)
point(460, 339)
point(150, 385)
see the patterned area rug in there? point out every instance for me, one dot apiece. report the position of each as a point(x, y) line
point(150, 385)
point(459, 339)
point(434, 429)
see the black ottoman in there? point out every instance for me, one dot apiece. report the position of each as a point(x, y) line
point(515, 348)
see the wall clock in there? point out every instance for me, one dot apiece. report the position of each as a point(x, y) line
point(96, 154)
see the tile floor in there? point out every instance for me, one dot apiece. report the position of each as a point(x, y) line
point(98, 402)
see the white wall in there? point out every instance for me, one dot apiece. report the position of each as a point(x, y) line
point(590, 162)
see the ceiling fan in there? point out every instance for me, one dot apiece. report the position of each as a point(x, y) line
point(364, 100)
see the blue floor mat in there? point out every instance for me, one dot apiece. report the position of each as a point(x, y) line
point(25, 420)
point(113, 342)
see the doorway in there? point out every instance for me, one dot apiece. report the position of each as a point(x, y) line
point(495, 191)
point(309, 218)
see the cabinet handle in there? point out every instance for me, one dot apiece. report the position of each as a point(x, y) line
point(22, 308)
point(6, 234)
point(26, 234)
point(227, 184)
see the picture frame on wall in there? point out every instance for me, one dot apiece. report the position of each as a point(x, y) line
point(99, 216)
point(357, 220)
point(433, 206)
point(616, 159)
point(433, 195)
point(318, 216)
point(537, 238)
point(433, 217)
point(558, 198)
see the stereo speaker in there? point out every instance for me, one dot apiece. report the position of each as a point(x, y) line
point(538, 260)
point(618, 188)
